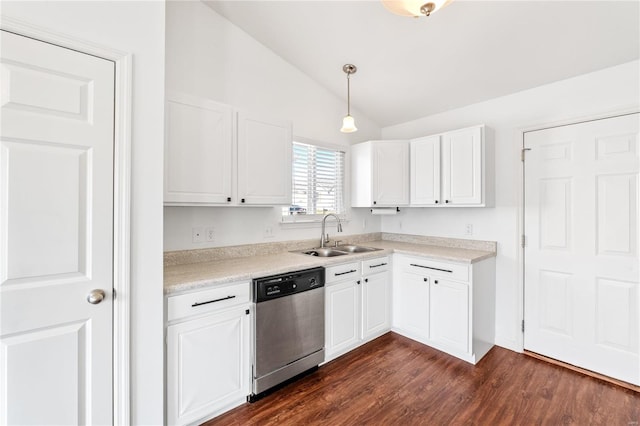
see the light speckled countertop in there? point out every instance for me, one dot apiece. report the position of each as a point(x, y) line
point(186, 277)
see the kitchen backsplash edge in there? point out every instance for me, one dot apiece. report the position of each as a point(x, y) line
point(185, 257)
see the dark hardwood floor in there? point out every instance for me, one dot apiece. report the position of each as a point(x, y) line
point(396, 381)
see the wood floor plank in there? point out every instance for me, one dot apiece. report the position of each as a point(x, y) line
point(396, 381)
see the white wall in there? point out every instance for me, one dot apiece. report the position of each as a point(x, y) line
point(208, 56)
point(137, 28)
point(591, 94)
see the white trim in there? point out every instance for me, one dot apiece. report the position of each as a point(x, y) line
point(519, 136)
point(121, 200)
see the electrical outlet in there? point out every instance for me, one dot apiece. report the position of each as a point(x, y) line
point(268, 232)
point(468, 229)
point(197, 235)
point(400, 224)
point(364, 223)
point(210, 234)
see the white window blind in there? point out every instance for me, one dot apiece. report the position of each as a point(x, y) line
point(317, 181)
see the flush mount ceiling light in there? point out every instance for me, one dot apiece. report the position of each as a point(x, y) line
point(348, 124)
point(415, 8)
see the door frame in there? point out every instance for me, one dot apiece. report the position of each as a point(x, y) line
point(519, 136)
point(121, 198)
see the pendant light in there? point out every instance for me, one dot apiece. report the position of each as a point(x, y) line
point(348, 124)
point(415, 8)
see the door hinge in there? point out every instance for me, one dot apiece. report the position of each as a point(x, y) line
point(523, 326)
point(522, 151)
point(114, 294)
point(523, 241)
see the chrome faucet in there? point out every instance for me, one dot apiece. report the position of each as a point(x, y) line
point(324, 238)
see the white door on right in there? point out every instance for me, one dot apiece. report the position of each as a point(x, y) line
point(582, 293)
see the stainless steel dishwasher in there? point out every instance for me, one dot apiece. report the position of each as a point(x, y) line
point(288, 327)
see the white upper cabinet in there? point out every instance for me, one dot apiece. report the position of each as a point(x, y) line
point(425, 171)
point(198, 151)
point(449, 169)
point(264, 160)
point(380, 174)
point(463, 167)
point(217, 156)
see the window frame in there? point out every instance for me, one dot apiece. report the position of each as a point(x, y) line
point(313, 220)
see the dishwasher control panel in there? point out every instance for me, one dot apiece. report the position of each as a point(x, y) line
point(276, 286)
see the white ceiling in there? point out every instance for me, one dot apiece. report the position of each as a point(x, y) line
point(468, 52)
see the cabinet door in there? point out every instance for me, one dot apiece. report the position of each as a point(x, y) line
point(208, 365)
point(411, 304)
point(425, 171)
point(198, 151)
point(390, 173)
point(462, 166)
point(264, 161)
point(375, 305)
point(449, 314)
point(342, 315)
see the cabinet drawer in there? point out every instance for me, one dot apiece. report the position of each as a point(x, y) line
point(207, 300)
point(341, 272)
point(432, 268)
point(372, 266)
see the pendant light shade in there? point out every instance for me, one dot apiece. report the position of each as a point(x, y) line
point(415, 8)
point(348, 123)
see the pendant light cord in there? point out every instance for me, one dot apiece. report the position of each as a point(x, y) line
point(348, 94)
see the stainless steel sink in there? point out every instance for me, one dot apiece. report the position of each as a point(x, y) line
point(336, 251)
point(356, 249)
point(323, 252)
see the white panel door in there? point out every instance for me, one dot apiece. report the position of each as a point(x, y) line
point(425, 171)
point(208, 365)
point(390, 173)
point(264, 161)
point(198, 151)
point(342, 316)
point(462, 166)
point(581, 258)
point(376, 317)
point(56, 233)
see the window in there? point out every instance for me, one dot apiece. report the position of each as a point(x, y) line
point(317, 182)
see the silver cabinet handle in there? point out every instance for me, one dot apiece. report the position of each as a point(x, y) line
point(337, 274)
point(377, 266)
point(95, 296)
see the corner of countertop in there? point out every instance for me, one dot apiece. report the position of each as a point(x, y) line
point(481, 245)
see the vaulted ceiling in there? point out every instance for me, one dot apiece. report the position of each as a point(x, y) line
point(468, 52)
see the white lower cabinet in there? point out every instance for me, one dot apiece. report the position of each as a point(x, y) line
point(449, 306)
point(342, 317)
point(208, 356)
point(376, 298)
point(411, 304)
point(357, 304)
point(449, 314)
